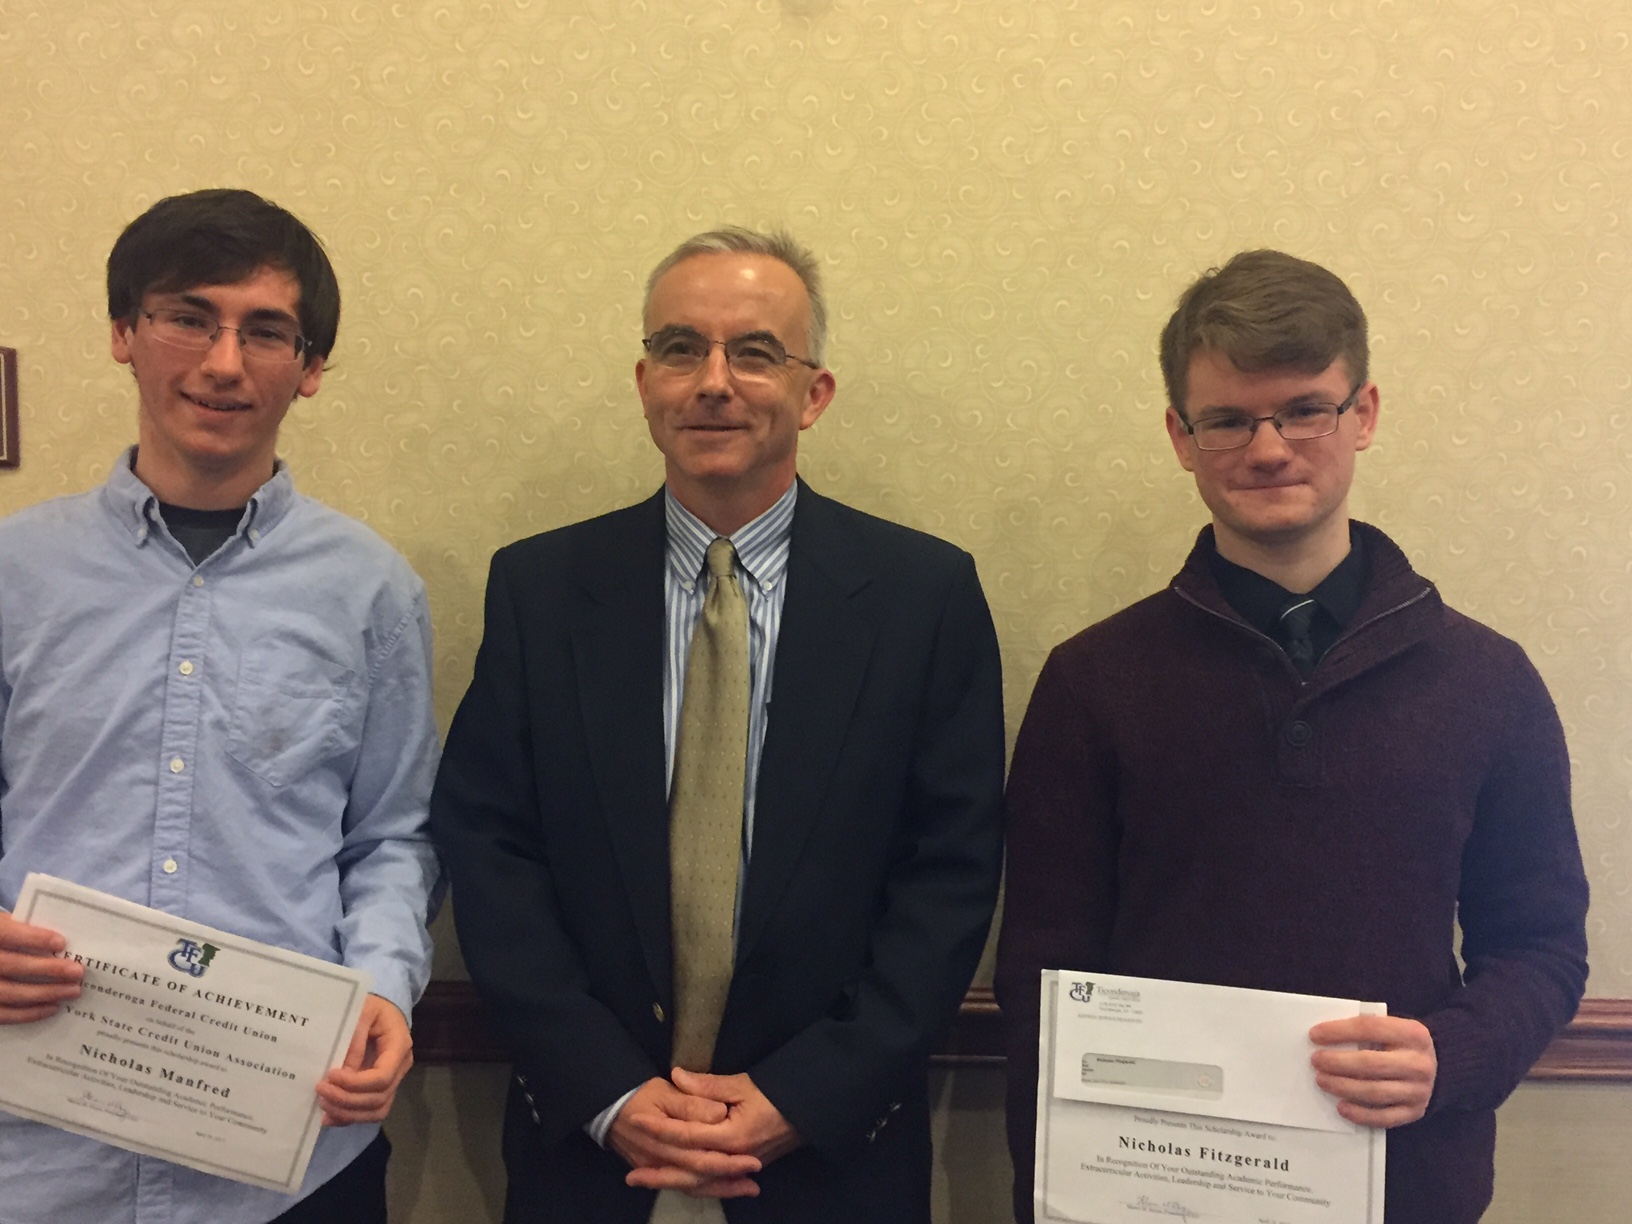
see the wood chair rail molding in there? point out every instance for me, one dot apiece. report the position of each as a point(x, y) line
point(450, 1026)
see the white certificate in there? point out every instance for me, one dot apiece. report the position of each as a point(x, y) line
point(186, 1042)
point(1173, 1100)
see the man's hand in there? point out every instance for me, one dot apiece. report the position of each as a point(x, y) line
point(1385, 1083)
point(753, 1125)
point(664, 1134)
point(34, 981)
point(363, 1086)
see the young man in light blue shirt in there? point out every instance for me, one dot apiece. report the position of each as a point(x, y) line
point(215, 699)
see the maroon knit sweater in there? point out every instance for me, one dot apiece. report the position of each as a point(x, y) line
point(1181, 806)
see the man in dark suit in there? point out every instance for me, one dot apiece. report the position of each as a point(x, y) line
point(861, 842)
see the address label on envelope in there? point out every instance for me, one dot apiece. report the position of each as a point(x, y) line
point(1203, 1081)
point(1244, 1054)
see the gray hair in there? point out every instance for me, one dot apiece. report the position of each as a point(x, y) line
point(779, 245)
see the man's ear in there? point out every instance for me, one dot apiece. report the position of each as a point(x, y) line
point(121, 341)
point(1180, 437)
point(311, 377)
point(1366, 406)
point(818, 397)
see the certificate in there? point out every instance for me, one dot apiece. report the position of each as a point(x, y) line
point(187, 1043)
point(1174, 1100)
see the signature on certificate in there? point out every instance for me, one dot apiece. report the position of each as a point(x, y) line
point(1170, 1208)
point(90, 1101)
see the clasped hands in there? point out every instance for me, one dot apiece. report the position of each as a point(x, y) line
point(705, 1135)
point(1388, 1081)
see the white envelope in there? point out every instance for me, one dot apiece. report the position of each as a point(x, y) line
point(1194, 1102)
point(1220, 1051)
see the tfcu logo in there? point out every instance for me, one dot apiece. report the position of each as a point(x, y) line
point(1080, 991)
point(192, 958)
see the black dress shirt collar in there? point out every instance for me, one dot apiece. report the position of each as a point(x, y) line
point(1259, 601)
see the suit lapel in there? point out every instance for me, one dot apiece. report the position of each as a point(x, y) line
point(618, 654)
point(821, 659)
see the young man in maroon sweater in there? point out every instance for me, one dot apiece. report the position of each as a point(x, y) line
point(1296, 769)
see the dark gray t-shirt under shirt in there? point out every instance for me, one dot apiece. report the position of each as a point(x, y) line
point(200, 532)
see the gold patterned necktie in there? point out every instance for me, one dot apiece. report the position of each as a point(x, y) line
point(705, 812)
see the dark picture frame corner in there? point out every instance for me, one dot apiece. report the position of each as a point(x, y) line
point(10, 455)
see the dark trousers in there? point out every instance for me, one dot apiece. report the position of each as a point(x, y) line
point(355, 1195)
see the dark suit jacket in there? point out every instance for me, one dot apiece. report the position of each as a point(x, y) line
point(875, 860)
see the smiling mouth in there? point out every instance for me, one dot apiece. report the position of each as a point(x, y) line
point(217, 405)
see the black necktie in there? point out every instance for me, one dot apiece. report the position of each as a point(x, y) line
point(1295, 618)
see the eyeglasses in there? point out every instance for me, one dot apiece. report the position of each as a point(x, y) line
point(753, 355)
point(264, 340)
point(1303, 421)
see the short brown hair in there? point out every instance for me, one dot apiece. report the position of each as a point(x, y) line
point(1265, 310)
point(221, 236)
point(779, 245)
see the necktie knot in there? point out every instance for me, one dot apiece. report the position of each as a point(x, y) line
point(721, 554)
point(1296, 618)
point(1297, 615)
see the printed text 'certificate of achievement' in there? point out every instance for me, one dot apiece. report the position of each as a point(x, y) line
point(186, 1043)
point(1172, 1101)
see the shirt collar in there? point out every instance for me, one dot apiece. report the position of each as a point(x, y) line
point(761, 544)
point(137, 506)
point(1259, 600)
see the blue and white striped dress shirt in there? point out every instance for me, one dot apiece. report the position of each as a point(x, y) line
point(762, 565)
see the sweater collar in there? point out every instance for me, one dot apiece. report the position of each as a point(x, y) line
point(1395, 588)
point(1392, 577)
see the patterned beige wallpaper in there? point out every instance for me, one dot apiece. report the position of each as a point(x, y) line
point(1007, 195)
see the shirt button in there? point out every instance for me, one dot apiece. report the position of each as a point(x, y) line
point(186, 667)
point(198, 579)
point(254, 533)
point(1298, 733)
point(657, 1012)
point(766, 586)
point(177, 765)
point(170, 867)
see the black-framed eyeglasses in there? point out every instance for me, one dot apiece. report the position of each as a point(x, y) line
point(260, 340)
point(1303, 421)
point(751, 355)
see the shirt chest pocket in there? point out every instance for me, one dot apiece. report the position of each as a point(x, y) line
point(290, 712)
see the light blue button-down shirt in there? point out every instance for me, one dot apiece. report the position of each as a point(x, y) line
point(247, 743)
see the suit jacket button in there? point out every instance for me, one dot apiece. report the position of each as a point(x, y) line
point(1298, 733)
point(657, 1012)
point(883, 1121)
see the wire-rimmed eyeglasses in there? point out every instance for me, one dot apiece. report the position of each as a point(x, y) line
point(260, 340)
point(751, 355)
point(1303, 421)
